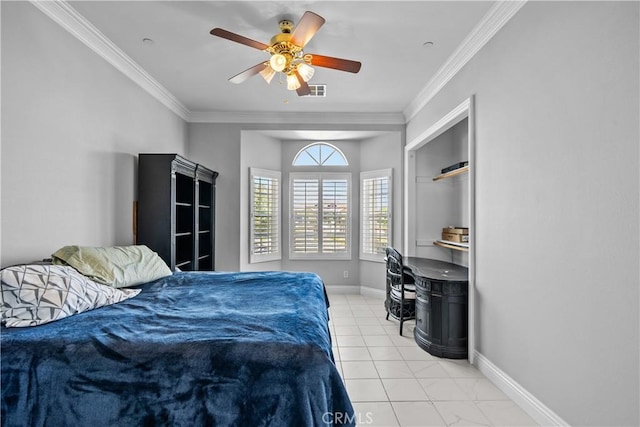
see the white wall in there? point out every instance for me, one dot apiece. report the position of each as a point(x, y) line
point(557, 107)
point(72, 126)
point(264, 152)
point(217, 146)
point(331, 271)
point(383, 152)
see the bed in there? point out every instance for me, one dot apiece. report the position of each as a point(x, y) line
point(191, 349)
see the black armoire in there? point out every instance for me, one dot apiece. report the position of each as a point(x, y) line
point(176, 211)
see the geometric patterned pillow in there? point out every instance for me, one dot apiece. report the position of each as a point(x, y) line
point(34, 294)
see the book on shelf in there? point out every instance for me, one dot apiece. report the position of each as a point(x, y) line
point(454, 166)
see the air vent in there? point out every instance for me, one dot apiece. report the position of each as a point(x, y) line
point(318, 90)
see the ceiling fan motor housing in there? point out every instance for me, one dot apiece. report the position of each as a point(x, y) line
point(286, 26)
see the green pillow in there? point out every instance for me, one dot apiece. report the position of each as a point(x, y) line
point(117, 266)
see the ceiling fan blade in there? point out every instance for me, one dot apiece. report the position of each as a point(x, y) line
point(238, 38)
point(249, 72)
point(304, 87)
point(335, 63)
point(309, 24)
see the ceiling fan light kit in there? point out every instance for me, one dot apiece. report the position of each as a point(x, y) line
point(287, 54)
point(305, 71)
point(278, 62)
point(292, 82)
point(267, 73)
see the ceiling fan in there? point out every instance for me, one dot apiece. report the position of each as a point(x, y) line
point(287, 54)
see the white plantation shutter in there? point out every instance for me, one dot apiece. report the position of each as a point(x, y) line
point(265, 215)
point(376, 209)
point(320, 216)
point(305, 216)
point(335, 215)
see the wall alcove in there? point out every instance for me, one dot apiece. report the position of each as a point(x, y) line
point(434, 200)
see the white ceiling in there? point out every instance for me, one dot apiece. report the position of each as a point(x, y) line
point(386, 36)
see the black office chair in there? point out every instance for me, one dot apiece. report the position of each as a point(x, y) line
point(400, 302)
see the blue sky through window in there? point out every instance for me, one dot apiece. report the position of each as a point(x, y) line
point(320, 154)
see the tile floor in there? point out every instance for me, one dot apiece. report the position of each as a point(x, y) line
point(392, 382)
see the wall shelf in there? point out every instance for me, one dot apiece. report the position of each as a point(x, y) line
point(452, 173)
point(464, 247)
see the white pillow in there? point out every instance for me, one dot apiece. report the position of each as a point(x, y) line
point(34, 294)
point(117, 266)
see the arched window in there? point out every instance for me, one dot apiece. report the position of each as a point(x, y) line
point(320, 154)
point(320, 205)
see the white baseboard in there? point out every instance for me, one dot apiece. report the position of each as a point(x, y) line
point(372, 292)
point(343, 289)
point(355, 290)
point(532, 406)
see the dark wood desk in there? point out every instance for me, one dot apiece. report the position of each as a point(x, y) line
point(442, 295)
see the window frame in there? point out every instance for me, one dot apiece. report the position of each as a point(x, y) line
point(321, 176)
point(367, 175)
point(277, 214)
point(319, 163)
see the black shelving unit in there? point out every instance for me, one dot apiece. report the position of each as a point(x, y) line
point(205, 208)
point(176, 210)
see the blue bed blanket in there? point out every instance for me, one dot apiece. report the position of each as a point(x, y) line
point(192, 349)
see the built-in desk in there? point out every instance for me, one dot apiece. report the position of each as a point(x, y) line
point(442, 294)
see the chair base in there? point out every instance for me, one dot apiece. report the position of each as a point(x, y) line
point(395, 310)
point(408, 311)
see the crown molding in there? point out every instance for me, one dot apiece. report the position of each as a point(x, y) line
point(69, 19)
point(260, 117)
point(490, 24)
point(441, 126)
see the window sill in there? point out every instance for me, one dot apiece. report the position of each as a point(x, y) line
point(257, 259)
